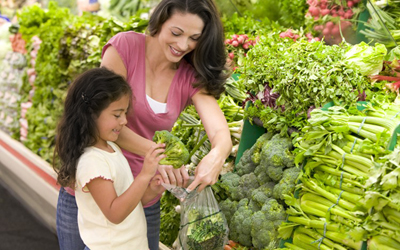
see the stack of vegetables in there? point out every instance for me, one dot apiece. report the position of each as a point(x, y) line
point(348, 195)
point(12, 62)
point(10, 82)
point(333, 20)
point(383, 26)
point(124, 10)
point(288, 78)
point(254, 205)
point(69, 45)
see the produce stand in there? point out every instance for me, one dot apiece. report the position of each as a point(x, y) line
point(279, 93)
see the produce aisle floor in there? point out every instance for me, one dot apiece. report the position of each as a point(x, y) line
point(21, 230)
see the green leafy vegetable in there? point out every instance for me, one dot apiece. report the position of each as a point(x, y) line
point(176, 152)
point(365, 58)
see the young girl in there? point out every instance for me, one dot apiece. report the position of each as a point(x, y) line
point(110, 211)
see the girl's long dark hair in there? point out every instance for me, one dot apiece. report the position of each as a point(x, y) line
point(91, 93)
point(209, 56)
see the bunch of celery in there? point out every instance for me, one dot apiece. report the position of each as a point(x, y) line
point(382, 199)
point(339, 153)
point(191, 131)
point(383, 26)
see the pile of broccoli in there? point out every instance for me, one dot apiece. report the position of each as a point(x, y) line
point(176, 152)
point(255, 206)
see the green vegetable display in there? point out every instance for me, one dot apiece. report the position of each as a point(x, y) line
point(349, 190)
point(176, 152)
point(300, 75)
point(254, 207)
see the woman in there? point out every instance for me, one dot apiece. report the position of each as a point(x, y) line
point(179, 61)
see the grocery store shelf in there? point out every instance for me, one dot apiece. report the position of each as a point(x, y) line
point(31, 179)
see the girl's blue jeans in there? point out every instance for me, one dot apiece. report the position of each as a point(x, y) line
point(67, 223)
point(153, 225)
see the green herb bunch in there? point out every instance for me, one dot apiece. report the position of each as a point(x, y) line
point(304, 74)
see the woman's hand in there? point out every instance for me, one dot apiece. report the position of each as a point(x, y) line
point(178, 177)
point(207, 171)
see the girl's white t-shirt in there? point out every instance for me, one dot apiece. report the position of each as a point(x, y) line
point(96, 231)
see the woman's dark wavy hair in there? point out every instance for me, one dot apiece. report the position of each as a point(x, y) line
point(209, 56)
point(91, 93)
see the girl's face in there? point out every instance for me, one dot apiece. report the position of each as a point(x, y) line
point(111, 121)
point(179, 35)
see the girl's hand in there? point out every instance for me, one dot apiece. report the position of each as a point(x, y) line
point(155, 184)
point(152, 158)
point(178, 177)
point(207, 171)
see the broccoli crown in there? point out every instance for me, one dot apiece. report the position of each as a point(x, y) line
point(245, 164)
point(230, 182)
point(274, 210)
point(228, 208)
point(241, 223)
point(256, 156)
point(277, 151)
point(263, 232)
point(262, 193)
point(247, 184)
point(265, 224)
point(287, 184)
point(176, 152)
point(275, 157)
point(238, 187)
point(262, 175)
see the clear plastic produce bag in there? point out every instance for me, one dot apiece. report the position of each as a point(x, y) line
point(203, 225)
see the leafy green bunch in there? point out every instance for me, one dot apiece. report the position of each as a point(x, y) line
point(304, 74)
point(205, 232)
point(176, 152)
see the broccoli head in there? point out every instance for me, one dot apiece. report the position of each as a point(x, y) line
point(277, 151)
point(176, 152)
point(241, 223)
point(275, 157)
point(287, 184)
point(262, 193)
point(261, 174)
point(257, 147)
point(238, 187)
point(245, 164)
point(264, 231)
point(228, 208)
point(230, 183)
point(247, 184)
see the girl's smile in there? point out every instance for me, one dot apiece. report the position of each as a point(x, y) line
point(111, 121)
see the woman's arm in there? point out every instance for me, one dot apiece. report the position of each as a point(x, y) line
point(127, 139)
point(214, 122)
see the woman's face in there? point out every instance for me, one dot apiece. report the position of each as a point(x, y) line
point(179, 35)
